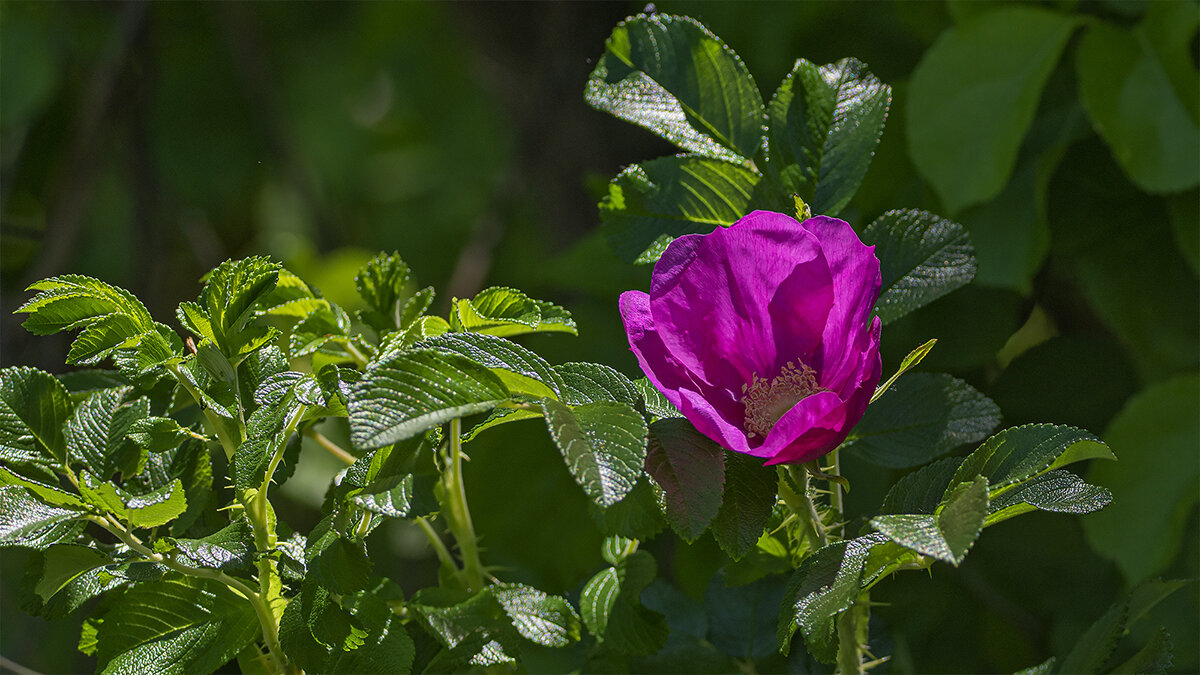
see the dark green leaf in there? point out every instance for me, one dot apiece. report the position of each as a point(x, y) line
point(650, 204)
point(750, 491)
point(603, 445)
point(922, 417)
point(33, 409)
point(949, 534)
point(547, 620)
point(672, 76)
point(157, 434)
point(231, 547)
point(655, 403)
point(742, 620)
point(593, 382)
point(1058, 491)
point(96, 433)
point(1097, 644)
point(824, 123)
point(1155, 139)
point(921, 491)
point(1154, 657)
point(335, 562)
point(417, 390)
point(1044, 668)
point(637, 516)
point(1020, 454)
point(825, 585)
point(391, 496)
point(177, 625)
point(973, 97)
point(922, 257)
point(612, 611)
point(690, 469)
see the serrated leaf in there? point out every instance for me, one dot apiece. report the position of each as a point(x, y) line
point(33, 404)
point(248, 466)
point(690, 469)
point(231, 292)
point(593, 382)
point(391, 496)
point(637, 516)
point(62, 563)
point(1057, 491)
point(500, 416)
point(750, 491)
point(522, 371)
point(825, 585)
point(73, 300)
point(96, 433)
point(27, 521)
point(320, 330)
point(47, 493)
point(921, 491)
point(603, 445)
point(102, 337)
point(950, 533)
point(1019, 454)
point(470, 627)
point(823, 125)
point(383, 283)
point(157, 434)
point(177, 625)
point(505, 312)
point(335, 562)
point(973, 97)
point(546, 620)
point(1154, 657)
point(922, 417)
point(922, 257)
point(671, 75)
point(150, 350)
point(907, 363)
point(648, 205)
point(157, 507)
point(612, 611)
point(654, 402)
point(1096, 645)
point(1044, 668)
point(231, 547)
point(417, 390)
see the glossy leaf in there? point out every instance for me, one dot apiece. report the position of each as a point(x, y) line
point(522, 371)
point(655, 403)
point(391, 496)
point(950, 533)
point(922, 257)
point(63, 563)
point(335, 562)
point(231, 547)
point(152, 509)
point(157, 434)
point(96, 433)
point(73, 300)
point(823, 125)
point(506, 312)
point(34, 406)
point(546, 620)
point(27, 521)
point(650, 204)
point(1020, 454)
point(672, 76)
point(922, 417)
point(417, 390)
point(1057, 491)
point(973, 96)
point(593, 382)
point(690, 469)
point(603, 445)
point(612, 611)
point(921, 491)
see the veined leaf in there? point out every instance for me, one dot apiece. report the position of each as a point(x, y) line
point(750, 491)
point(1020, 454)
point(603, 444)
point(157, 434)
point(670, 75)
point(177, 625)
point(948, 534)
point(335, 562)
point(384, 283)
point(922, 417)
point(96, 433)
point(72, 300)
point(690, 469)
point(547, 620)
point(521, 370)
point(823, 125)
point(152, 509)
point(391, 496)
point(62, 563)
point(506, 312)
point(612, 610)
point(921, 491)
point(231, 547)
point(592, 382)
point(27, 521)
point(922, 257)
point(648, 205)
point(1058, 491)
point(417, 390)
point(34, 406)
point(655, 403)
point(102, 337)
point(46, 493)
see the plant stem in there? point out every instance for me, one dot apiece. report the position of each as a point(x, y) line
point(439, 547)
point(838, 504)
point(329, 446)
point(267, 622)
point(458, 516)
point(802, 505)
point(852, 637)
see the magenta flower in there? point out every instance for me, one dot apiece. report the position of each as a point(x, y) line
point(761, 333)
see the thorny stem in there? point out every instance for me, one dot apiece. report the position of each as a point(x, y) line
point(439, 547)
point(266, 619)
point(458, 516)
point(802, 505)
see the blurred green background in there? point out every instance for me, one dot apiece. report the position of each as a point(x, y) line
point(145, 143)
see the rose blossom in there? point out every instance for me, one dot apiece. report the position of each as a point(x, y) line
point(761, 333)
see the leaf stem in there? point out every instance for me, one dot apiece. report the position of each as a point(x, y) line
point(329, 446)
point(801, 504)
point(439, 547)
point(852, 637)
point(458, 516)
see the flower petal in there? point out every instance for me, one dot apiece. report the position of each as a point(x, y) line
point(711, 296)
point(663, 370)
point(714, 423)
point(809, 428)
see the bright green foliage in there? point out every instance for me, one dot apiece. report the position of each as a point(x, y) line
point(946, 535)
point(603, 444)
point(63, 563)
point(612, 611)
point(507, 312)
point(33, 409)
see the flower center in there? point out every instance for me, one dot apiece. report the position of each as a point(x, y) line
point(767, 400)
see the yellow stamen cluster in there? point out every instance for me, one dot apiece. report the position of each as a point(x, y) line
point(767, 400)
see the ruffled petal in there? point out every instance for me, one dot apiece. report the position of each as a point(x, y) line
point(711, 296)
point(801, 427)
point(662, 369)
point(716, 424)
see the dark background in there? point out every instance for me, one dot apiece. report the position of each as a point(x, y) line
point(144, 143)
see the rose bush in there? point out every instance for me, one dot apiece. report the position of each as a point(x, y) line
point(761, 333)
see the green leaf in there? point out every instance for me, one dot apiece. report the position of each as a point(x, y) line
point(506, 312)
point(670, 75)
point(594, 382)
point(546, 620)
point(922, 257)
point(1097, 644)
point(949, 534)
point(417, 390)
point(823, 125)
point(973, 97)
point(825, 585)
point(650, 204)
point(921, 491)
point(96, 433)
point(922, 417)
point(1044, 668)
point(391, 496)
point(637, 516)
point(27, 521)
point(1154, 657)
point(603, 445)
point(46, 493)
point(174, 626)
point(324, 328)
point(750, 491)
point(909, 362)
point(73, 300)
point(62, 564)
point(522, 371)
point(152, 509)
point(612, 611)
point(102, 337)
point(474, 629)
point(384, 283)
point(335, 562)
point(151, 350)
point(157, 434)
point(1154, 485)
point(690, 469)
point(1020, 454)
point(1139, 87)
point(34, 406)
point(742, 620)
point(1057, 491)
point(231, 547)
point(654, 402)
